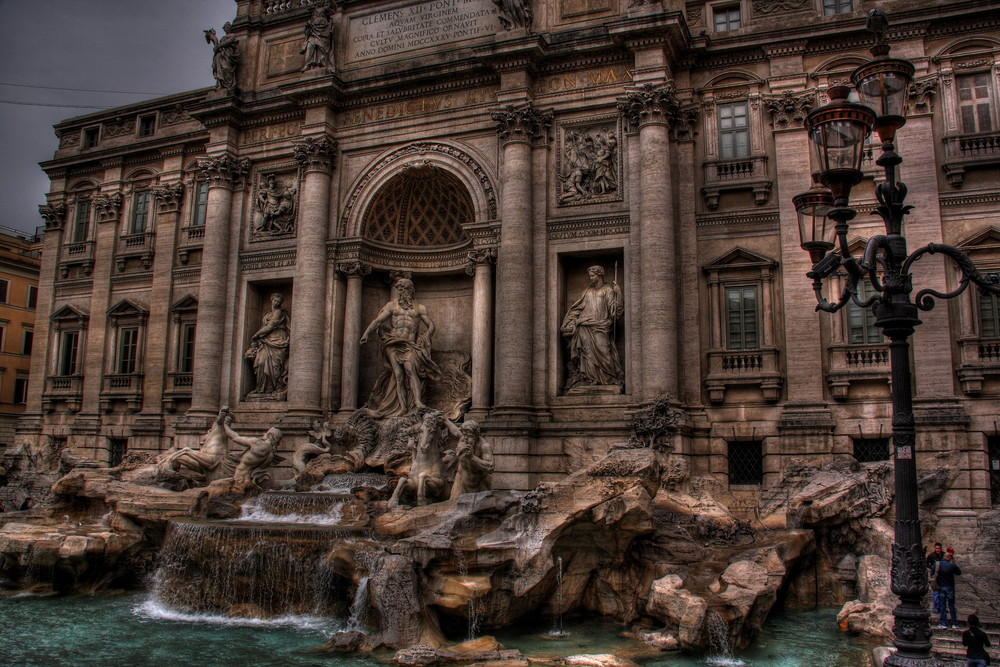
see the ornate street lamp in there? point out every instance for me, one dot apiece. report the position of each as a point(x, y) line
point(837, 132)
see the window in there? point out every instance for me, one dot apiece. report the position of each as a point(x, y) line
point(147, 125)
point(200, 205)
point(185, 355)
point(867, 450)
point(21, 390)
point(128, 350)
point(32, 296)
point(3, 337)
point(741, 318)
point(989, 316)
point(81, 221)
point(91, 136)
point(68, 347)
point(140, 212)
point(993, 459)
point(734, 130)
point(861, 329)
point(831, 7)
point(27, 341)
point(746, 462)
point(974, 102)
point(119, 447)
point(4, 290)
point(727, 18)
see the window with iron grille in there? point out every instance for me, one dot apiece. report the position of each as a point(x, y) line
point(140, 212)
point(861, 327)
point(867, 450)
point(974, 103)
point(831, 7)
point(989, 316)
point(119, 447)
point(200, 205)
point(993, 452)
point(734, 130)
point(727, 18)
point(81, 221)
point(746, 462)
point(741, 318)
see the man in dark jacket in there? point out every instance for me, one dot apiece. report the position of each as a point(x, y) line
point(932, 560)
point(946, 573)
point(977, 641)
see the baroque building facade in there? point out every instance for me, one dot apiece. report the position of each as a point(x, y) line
point(492, 154)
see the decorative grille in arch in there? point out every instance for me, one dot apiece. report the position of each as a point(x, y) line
point(423, 206)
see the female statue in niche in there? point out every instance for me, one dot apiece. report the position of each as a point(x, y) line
point(319, 40)
point(269, 352)
point(593, 355)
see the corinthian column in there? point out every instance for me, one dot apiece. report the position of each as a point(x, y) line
point(355, 272)
point(518, 127)
point(305, 355)
point(653, 110)
point(224, 173)
point(481, 269)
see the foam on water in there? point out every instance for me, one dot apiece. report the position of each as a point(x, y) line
point(153, 610)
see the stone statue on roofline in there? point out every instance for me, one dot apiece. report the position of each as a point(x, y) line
point(318, 47)
point(225, 57)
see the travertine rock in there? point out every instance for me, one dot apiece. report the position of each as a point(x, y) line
point(871, 613)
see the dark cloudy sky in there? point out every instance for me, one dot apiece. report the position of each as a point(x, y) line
point(148, 47)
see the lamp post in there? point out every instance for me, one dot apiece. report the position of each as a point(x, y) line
point(837, 132)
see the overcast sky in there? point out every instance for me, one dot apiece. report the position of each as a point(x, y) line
point(147, 47)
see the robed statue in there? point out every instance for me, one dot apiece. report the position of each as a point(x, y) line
point(589, 329)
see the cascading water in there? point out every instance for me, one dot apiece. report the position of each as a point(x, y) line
point(557, 611)
point(321, 509)
point(474, 611)
point(359, 607)
point(718, 639)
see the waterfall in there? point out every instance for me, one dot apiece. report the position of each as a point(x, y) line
point(474, 610)
point(320, 509)
point(359, 606)
point(558, 608)
point(249, 571)
point(718, 639)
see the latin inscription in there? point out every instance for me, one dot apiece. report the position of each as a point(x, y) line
point(417, 106)
point(419, 26)
point(271, 132)
point(587, 79)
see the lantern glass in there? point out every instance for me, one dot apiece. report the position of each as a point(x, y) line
point(817, 232)
point(837, 132)
point(882, 85)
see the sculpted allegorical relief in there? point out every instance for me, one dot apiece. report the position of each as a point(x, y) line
point(513, 14)
point(225, 57)
point(269, 352)
point(589, 330)
point(589, 167)
point(318, 46)
point(407, 350)
point(274, 208)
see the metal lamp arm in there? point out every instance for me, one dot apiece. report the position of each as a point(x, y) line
point(924, 299)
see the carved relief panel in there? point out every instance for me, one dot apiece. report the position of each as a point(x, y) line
point(589, 162)
point(274, 206)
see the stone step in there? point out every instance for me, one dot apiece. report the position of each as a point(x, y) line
point(947, 644)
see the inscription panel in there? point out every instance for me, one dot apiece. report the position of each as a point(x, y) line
point(424, 25)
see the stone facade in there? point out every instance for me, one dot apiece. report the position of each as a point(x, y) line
point(492, 163)
point(19, 264)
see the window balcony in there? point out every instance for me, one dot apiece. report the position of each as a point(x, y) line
point(123, 387)
point(743, 368)
point(135, 246)
point(192, 238)
point(77, 255)
point(749, 173)
point(853, 364)
point(178, 389)
point(66, 389)
point(980, 360)
point(970, 151)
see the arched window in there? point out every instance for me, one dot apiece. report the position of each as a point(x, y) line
point(422, 206)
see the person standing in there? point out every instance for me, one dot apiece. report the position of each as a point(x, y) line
point(946, 573)
point(976, 641)
point(932, 560)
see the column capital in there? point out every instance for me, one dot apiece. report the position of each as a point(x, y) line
point(54, 215)
point(354, 269)
point(316, 154)
point(479, 257)
point(107, 206)
point(168, 197)
point(650, 105)
point(224, 171)
point(521, 123)
point(789, 109)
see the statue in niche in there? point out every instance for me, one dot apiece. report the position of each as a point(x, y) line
point(399, 389)
point(513, 14)
point(472, 459)
point(269, 352)
point(426, 478)
point(258, 458)
point(319, 40)
point(204, 462)
point(275, 208)
point(589, 328)
point(591, 166)
point(225, 57)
